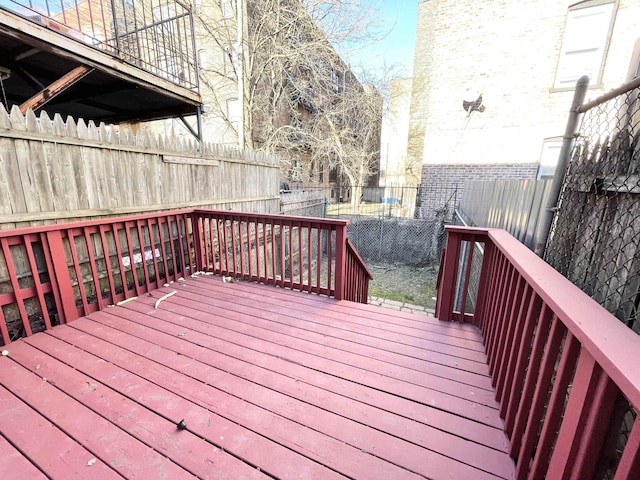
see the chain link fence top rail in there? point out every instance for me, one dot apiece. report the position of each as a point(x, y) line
point(595, 235)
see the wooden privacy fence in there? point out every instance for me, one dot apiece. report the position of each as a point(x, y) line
point(52, 170)
point(564, 369)
point(53, 274)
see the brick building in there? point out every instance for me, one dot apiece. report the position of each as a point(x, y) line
point(523, 59)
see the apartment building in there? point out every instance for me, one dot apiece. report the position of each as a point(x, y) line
point(493, 80)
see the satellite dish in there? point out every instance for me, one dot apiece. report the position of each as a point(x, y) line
point(472, 100)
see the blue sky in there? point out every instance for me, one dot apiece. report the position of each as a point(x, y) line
point(398, 47)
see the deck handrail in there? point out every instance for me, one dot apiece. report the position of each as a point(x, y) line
point(564, 368)
point(300, 253)
point(53, 274)
point(357, 275)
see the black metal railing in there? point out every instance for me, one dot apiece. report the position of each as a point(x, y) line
point(155, 36)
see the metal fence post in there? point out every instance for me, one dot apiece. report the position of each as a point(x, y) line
point(563, 161)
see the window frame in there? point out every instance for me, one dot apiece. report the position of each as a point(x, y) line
point(595, 81)
point(546, 144)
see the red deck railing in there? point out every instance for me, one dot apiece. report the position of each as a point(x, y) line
point(53, 274)
point(565, 370)
point(300, 253)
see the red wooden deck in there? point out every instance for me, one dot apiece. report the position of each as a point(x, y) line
point(271, 384)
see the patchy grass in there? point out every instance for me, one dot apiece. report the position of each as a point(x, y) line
point(403, 283)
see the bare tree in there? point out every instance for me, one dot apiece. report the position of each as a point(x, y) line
point(275, 79)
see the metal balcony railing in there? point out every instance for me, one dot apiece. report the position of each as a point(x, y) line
point(155, 36)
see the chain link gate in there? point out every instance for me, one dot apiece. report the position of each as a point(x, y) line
point(595, 235)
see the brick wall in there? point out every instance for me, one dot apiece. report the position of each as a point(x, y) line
point(443, 185)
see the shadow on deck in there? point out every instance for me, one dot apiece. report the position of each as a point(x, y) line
point(270, 383)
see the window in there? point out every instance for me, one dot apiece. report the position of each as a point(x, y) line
point(202, 59)
point(549, 157)
point(228, 8)
point(230, 60)
point(584, 43)
point(233, 112)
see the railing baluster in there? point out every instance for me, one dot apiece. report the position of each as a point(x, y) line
point(555, 408)
point(486, 272)
point(545, 372)
point(330, 259)
point(107, 262)
point(94, 269)
point(503, 319)
point(585, 421)
point(498, 317)
point(225, 246)
point(76, 267)
point(505, 383)
point(36, 282)
point(492, 320)
point(145, 269)
point(530, 380)
point(15, 286)
point(506, 339)
point(176, 270)
point(163, 252)
point(121, 268)
point(536, 310)
point(54, 276)
point(132, 264)
point(467, 277)
point(186, 270)
point(629, 466)
point(291, 253)
point(241, 249)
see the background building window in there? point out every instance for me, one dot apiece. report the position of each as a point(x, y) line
point(584, 44)
point(230, 60)
point(549, 157)
point(233, 112)
point(228, 8)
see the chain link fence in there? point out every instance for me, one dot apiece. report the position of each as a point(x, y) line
point(595, 235)
point(381, 225)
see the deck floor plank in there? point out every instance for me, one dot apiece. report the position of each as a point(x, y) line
point(114, 446)
point(272, 384)
point(349, 318)
point(259, 363)
point(450, 396)
point(14, 465)
point(287, 320)
point(318, 417)
point(184, 448)
point(44, 444)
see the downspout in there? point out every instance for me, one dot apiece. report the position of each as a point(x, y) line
point(563, 162)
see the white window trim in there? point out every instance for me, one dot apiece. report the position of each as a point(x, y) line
point(567, 81)
point(228, 8)
point(548, 161)
point(230, 53)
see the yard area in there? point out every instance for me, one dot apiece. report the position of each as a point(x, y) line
point(407, 284)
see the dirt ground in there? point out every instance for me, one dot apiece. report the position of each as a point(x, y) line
point(402, 283)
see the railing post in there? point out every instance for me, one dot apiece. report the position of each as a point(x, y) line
point(197, 234)
point(67, 305)
point(341, 256)
point(448, 275)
